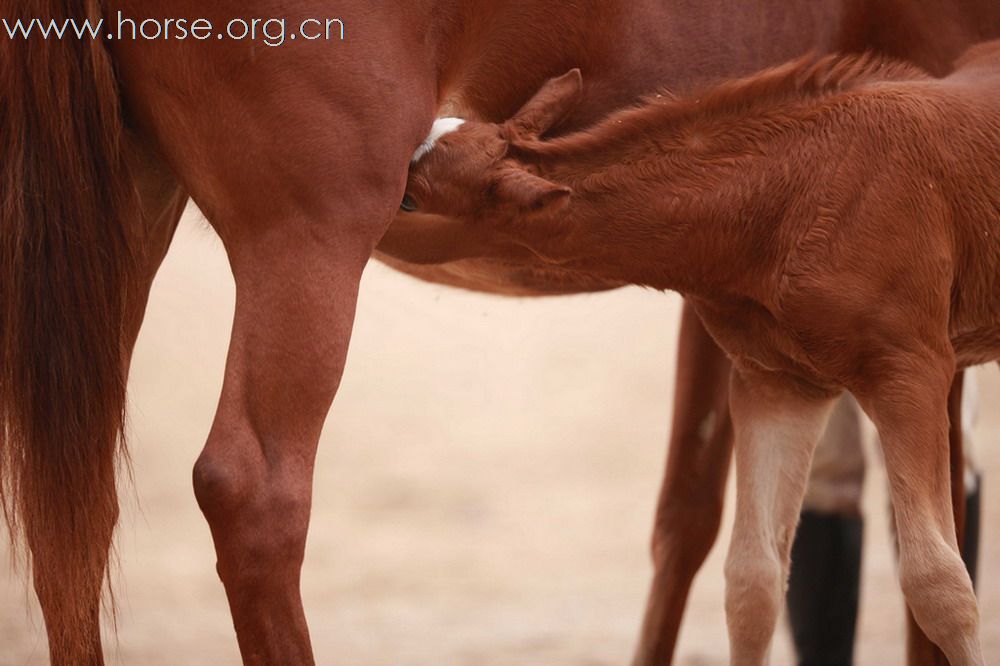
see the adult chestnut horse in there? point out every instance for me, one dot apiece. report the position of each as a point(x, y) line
point(297, 156)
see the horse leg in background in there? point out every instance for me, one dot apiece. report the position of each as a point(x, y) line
point(823, 586)
point(777, 423)
point(920, 650)
point(909, 404)
point(690, 504)
point(973, 477)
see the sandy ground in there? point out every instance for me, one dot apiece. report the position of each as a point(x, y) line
point(484, 489)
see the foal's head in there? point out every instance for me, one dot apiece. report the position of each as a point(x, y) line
point(471, 170)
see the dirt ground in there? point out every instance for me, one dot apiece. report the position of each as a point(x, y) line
point(484, 489)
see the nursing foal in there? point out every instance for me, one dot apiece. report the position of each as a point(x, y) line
point(835, 222)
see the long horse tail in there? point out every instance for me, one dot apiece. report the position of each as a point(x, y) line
point(67, 202)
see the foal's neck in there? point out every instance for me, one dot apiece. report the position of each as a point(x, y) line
point(704, 195)
point(691, 208)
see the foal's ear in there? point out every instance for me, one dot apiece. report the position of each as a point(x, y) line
point(553, 102)
point(529, 193)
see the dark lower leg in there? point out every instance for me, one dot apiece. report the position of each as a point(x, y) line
point(823, 588)
point(970, 542)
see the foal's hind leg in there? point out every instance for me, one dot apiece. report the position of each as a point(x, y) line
point(690, 504)
point(777, 424)
point(920, 651)
point(909, 405)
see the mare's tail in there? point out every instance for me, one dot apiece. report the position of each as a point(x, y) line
point(66, 200)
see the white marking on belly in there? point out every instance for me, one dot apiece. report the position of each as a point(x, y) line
point(440, 127)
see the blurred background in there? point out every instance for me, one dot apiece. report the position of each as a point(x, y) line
point(484, 490)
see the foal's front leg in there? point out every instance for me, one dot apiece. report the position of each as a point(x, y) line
point(777, 424)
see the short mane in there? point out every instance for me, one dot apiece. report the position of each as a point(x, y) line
point(807, 78)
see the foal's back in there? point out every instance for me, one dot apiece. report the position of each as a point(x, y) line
point(977, 81)
point(897, 198)
point(961, 155)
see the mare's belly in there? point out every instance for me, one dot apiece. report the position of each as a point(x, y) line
point(500, 277)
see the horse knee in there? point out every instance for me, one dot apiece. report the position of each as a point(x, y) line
point(754, 586)
point(938, 590)
point(754, 590)
point(219, 484)
point(257, 513)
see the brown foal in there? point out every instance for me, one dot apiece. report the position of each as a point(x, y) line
point(836, 224)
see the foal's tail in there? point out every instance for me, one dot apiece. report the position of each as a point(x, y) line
point(66, 199)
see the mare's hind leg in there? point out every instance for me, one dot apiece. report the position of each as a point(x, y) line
point(297, 276)
point(909, 405)
point(690, 504)
point(777, 422)
point(253, 481)
point(297, 156)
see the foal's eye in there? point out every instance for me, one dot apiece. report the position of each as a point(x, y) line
point(409, 204)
